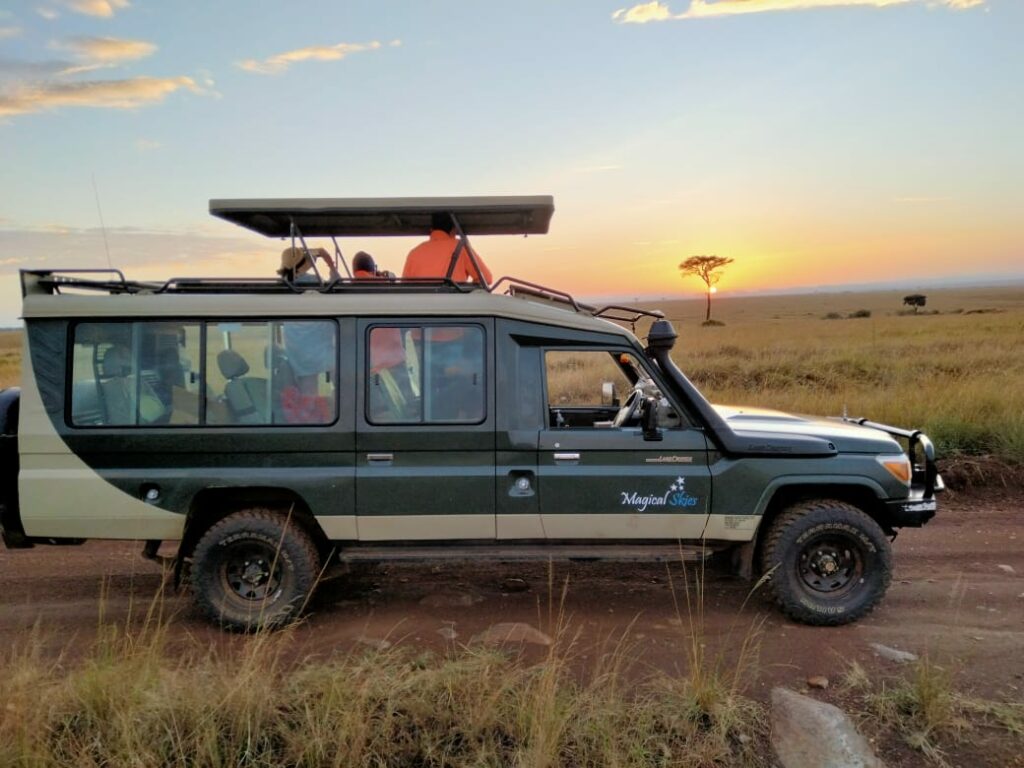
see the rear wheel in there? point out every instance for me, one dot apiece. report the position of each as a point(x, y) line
point(832, 563)
point(254, 569)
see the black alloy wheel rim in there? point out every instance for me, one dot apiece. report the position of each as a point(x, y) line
point(252, 571)
point(831, 564)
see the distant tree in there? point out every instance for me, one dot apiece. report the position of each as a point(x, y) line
point(915, 300)
point(709, 270)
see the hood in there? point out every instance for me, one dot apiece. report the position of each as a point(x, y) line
point(848, 438)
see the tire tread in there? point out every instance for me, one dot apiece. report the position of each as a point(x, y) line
point(784, 598)
point(202, 589)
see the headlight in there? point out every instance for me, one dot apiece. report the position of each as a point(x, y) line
point(898, 466)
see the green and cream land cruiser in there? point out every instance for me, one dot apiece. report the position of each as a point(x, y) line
point(271, 428)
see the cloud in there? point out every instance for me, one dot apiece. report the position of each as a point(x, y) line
point(101, 8)
point(147, 145)
point(643, 13)
point(18, 68)
point(8, 32)
point(130, 93)
point(107, 49)
point(48, 13)
point(281, 61)
point(701, 9)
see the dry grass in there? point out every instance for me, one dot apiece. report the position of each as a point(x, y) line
point(137, 699)
point(924, 708)
point(959, 376)
point(10, 358)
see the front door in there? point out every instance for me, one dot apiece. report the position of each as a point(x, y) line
point(601, 479)
point(425, 445)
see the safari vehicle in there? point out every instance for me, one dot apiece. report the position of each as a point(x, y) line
point(267, 429)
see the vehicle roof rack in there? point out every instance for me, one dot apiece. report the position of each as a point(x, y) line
point(616, 312)
point(113, 281)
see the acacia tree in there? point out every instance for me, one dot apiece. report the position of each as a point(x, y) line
point(915, 300)
point(708, 269)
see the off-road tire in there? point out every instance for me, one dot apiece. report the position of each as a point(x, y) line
point(286, 554)
point(791, 548)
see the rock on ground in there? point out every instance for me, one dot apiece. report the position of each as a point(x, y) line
point(450, 600)
point(817, 681)
point(513, 584)
point(893, 654)
point(807, 733)
point(377, 643)
point(513, 632)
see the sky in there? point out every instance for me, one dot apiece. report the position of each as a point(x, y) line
point(815, 142)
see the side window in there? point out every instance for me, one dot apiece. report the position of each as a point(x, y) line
point(426, 375)
point(586, 388)
point(577, 378)
point(135, 374)
point(280, 372)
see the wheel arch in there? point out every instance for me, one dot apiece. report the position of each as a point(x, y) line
point(862, 492)
point(211, 505)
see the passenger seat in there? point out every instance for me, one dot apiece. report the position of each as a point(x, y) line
point(246, 395)
point(119, 388)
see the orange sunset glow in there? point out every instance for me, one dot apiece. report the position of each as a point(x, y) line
point(820, 143)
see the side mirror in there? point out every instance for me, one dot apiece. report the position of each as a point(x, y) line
point(649, 419)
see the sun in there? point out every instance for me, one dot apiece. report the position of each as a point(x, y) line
point(713, 289)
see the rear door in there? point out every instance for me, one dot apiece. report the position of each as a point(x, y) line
point(425, 442)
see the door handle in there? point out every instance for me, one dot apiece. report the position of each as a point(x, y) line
point(567, 457)
point(380, 457)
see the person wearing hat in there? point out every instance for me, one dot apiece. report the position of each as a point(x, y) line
point(295, 262)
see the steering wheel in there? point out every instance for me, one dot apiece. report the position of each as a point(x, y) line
point(630, 410)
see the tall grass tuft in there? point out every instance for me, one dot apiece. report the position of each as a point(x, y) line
point(924, 708)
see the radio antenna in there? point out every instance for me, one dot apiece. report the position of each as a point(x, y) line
point(103, 227)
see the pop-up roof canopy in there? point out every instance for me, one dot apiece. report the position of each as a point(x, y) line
point(385, 216)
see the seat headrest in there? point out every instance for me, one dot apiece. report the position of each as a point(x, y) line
point(231, 364)
point(117, 361)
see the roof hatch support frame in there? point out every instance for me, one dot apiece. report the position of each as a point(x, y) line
point(296, 232)
point(463, 244)
point(339, 257)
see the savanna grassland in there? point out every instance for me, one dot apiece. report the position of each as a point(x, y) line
point(957, 374)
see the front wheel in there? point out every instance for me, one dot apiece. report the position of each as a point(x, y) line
point(254, 569)
point(829, 562)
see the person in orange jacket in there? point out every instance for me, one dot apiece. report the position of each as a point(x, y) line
point(432, 257)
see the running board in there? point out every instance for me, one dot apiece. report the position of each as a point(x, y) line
point(509, 554)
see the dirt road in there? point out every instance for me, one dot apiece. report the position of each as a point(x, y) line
point(957, 594)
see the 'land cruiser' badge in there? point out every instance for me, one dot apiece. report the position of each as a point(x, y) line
point(670, 460)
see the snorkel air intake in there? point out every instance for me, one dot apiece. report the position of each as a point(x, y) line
point(660, 340)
